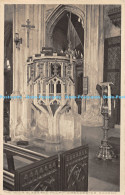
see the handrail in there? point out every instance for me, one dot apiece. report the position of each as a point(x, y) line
point(24, 152)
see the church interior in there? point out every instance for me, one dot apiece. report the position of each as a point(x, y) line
point(57, 58)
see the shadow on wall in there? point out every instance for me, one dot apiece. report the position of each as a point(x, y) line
point(109, 28)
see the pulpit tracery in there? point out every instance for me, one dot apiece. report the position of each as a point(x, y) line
point(50, 79)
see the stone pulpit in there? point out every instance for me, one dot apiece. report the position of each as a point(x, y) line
point(51, 93)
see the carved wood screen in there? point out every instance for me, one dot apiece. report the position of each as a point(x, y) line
point(39, 176)
point(112, 70)
point(67, 171)
point(74, 169)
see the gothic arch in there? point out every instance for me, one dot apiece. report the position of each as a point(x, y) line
point(56, 15)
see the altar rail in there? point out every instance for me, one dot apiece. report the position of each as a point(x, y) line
point(65, 171)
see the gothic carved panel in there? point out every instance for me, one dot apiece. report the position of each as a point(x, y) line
point(39, 176)
point(74, 169)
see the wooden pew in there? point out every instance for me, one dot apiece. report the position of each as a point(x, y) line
point(8, 179)
point(13, 150)
point(65, 171)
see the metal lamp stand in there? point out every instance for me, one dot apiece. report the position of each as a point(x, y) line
point(105, 150)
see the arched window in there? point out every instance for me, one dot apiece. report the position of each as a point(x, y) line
point(52, 68)
point(57, 24)
point(59, 70)
point(51, 87)
point(58, 87)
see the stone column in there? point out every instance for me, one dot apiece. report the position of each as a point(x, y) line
point(43, 25)
point(15, 104)
point(12, 121)
point(101, 45)
point(62, 67)
point(36, 70)
point(94, 45)
point(48, 69)
point(55, 89)
point(44, 69)
point(15, 53)
point(94, 58)
point(36, 31)
point(26, 105)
